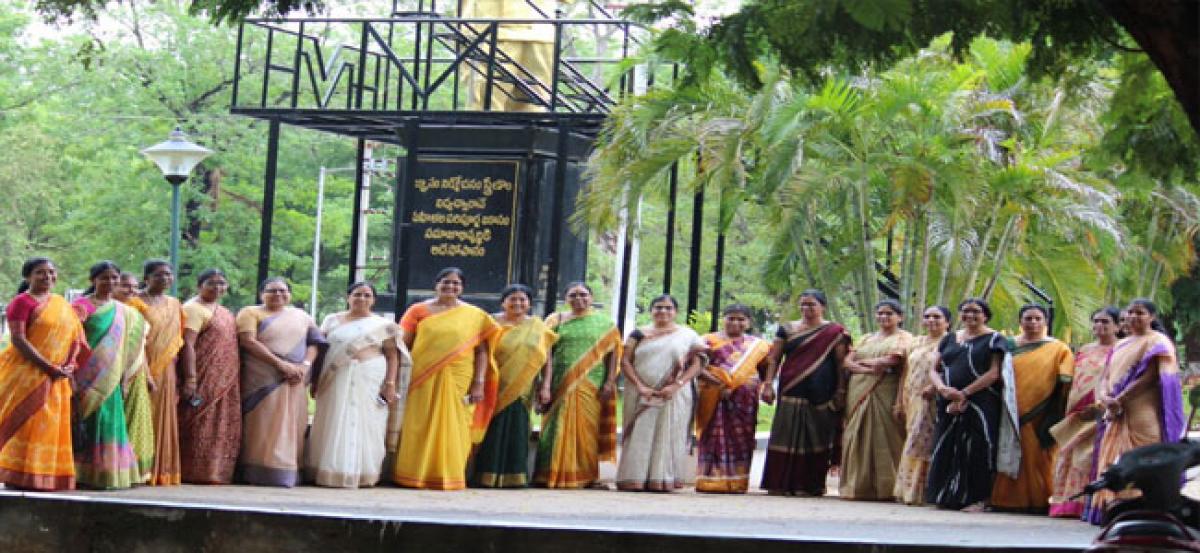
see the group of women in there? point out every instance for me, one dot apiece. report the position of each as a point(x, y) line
point(968, 419)
point(126, 385)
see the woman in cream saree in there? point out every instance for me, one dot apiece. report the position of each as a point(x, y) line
point(659, 362)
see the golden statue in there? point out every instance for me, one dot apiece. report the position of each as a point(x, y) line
point(530, 45)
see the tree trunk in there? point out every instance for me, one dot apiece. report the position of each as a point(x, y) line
point(1167, 31)
point(980, 251)
point(947, 262)
point(1151, 236)
point(867, 275)
point(923, 281)
point(998, 259)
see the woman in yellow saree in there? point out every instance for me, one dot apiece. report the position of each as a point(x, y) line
point(1142, 397)
point(522, 351)
point(874, 435)
point(1076, 433)
point(165, 315)
point(138, 406)
point(579, 428)
point(116, 334)
point(453, 389)
point(727, 404)
point(48, 344)
point(1042, 368)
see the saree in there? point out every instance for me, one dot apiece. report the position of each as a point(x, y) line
point(805, 438)
point(210, 435)
point(1152, 414)
point(35, 410)
point(962, 466)
point(873, 439)
point(654, 441)
point(116, 334)
point(346, 444)
point(503, 458)
point(139, 418)
point(1076, 433)
point(1039, 368)
point(725, 425)
point(162, 345)
point(439, 425)
point(274, 411)
point(919, 416)
point(579, 429)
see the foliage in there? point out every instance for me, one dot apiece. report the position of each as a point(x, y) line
point(961, 174)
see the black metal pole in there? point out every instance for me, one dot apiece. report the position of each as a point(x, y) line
point(356, 222)
point(626, 260)
point(402, 215)
point(669, 252)
point(693, 299)
point(718, 272)
point(268, 204)
point(556, 218)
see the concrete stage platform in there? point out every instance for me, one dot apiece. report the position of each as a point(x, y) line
point(245, 518)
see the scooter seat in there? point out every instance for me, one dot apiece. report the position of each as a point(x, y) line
point(1148, 528)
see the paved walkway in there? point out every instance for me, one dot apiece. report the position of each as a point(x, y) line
point(685, 512)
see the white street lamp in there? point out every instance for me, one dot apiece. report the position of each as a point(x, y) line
point(176, 158)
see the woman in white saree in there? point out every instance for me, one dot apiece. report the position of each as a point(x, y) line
point(659, 364)
point(361, 384)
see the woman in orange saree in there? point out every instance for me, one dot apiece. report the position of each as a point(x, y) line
point(1042, 368)
point(1142, 397)
point(579, 427)
point(48, 344)
point(165, 315)
point(1076, 433)
point(727, 405)
point(453, 390)
point(279, 343)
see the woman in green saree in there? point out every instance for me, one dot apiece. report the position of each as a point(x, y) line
point(579, 428)
point(104, 456)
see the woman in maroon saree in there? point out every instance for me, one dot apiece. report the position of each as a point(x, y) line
point(808, 356)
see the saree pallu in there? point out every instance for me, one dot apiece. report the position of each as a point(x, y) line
point(654, 441)
point(962, 466)
point(1076, 433)
point(919, 417)
point(579, 430)
point(162, 345)
point(1038, 368)
point(139, 418)
point(274, 411)
point(439, 426)
point(804, 439)
point(873, 438)
point(35, 410)
point(1153, 414)
point(346, 444)
point(104, 457)
point(725, 426)
point(503, 458)
point(210, 435)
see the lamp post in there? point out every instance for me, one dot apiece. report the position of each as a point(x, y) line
point(176, 158)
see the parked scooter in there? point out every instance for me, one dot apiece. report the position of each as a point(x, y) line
point(1162, 519)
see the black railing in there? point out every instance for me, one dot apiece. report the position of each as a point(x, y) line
point(418, 62)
